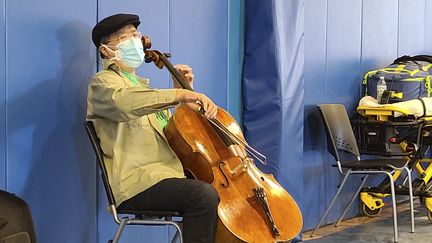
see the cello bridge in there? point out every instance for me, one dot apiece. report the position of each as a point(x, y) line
point(241, 167)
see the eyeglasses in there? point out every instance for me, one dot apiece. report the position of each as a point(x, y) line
point(127, 36)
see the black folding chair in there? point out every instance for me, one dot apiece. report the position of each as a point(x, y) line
point(130, 217)
point(340, 137)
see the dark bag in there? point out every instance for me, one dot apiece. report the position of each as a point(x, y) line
point(16, 225)
point(406, 78)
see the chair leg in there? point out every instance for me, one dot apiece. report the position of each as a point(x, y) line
point(331, 203)
point(178, 234)
point(352, 200)
point(120, 230)
point(393, 195)
point(175, 238)
point(410, 190)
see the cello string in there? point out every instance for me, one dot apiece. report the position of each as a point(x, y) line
point(249, 148)
point(174, 72)
point(259, 156)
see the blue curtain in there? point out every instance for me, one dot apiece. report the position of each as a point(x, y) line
point(273, 88)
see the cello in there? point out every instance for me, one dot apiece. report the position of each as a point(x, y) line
point(253, 206)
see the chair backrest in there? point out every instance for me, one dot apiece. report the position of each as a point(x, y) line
point(94, 139)
point(338, 130)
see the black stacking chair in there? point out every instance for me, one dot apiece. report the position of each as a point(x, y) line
point(340, 137)
point(130, 217)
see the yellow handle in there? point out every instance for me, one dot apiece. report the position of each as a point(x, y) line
point(397, 95)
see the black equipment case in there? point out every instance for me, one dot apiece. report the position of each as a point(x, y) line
point(16, 224)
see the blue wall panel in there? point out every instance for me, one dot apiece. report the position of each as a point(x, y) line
point(314, 86)
point(204, 48)
point(343, 78)
point(343, 51)
point(47, 59)
point(2, 96)
point(379, 34)
point(428, 22)
point(332, 63)
point(411, 27)
point(235, 57)
point(49, 62)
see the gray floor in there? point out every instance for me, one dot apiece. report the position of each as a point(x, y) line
point(381, 230)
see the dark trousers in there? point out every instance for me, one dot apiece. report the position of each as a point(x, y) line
point(196, 199)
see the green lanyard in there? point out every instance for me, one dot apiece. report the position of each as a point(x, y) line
point(131, 78)
point(160, 115)
point(162, 118)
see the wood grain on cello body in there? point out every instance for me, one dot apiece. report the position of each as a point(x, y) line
point(253, 206)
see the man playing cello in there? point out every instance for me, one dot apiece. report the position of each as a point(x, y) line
point(129, 116)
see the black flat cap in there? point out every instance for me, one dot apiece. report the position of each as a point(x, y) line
point(111, 24)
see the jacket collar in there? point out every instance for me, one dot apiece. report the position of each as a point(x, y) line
point(111, 65)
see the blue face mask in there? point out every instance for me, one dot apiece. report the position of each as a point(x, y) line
point(130, 52)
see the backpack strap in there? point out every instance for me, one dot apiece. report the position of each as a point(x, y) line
point(406, 58)
point(424, 106)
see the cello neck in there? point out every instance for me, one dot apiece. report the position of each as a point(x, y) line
point(178, 77)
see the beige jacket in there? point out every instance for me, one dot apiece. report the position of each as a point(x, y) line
point(136, 153)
